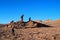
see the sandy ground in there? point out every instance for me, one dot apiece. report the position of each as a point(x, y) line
point(42, 33)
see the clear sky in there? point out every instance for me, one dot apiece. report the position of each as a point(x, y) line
point(36, 9)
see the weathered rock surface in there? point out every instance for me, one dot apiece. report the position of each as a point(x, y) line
point(43, 33)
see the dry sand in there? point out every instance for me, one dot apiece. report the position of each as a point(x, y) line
point(42, 33)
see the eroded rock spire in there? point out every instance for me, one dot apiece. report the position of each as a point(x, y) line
point(22, 17)
point(29, 18)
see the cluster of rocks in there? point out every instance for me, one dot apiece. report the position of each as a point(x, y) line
point(21, 24)
point(28, 24)
point(14, 30)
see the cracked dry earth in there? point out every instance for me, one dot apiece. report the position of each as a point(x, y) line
point(43, 33)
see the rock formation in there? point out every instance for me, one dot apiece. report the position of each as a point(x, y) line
point(29, 24)
point(30, 30)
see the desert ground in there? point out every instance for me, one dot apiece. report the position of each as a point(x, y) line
point(30, 30)
point(43, 33)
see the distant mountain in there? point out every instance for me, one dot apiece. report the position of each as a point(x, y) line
point(57, 21)
point(39, 21)
point(53, 22)
point(2, 25)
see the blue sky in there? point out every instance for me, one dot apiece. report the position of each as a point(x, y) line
point(36, 9)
